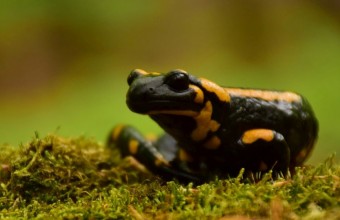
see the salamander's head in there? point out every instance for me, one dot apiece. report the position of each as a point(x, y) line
point(186, 107)
point(175, 92)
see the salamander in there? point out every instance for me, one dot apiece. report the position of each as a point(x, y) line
point(213, 131)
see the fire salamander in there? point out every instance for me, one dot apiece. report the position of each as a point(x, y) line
point(215, 131)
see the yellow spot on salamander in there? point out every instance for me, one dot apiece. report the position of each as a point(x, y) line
point(265, 95)
point(141, 72)
point(204, 123)
point(253, 135)
point(160, 160)
point(220, 92)
point(199, 98)
point(213, 143)
point(184, 156)
point(116, 132)
point(133, 146)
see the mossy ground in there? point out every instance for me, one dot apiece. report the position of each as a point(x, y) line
point(59, 178)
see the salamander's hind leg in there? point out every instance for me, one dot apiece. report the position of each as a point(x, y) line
point(265, 150)
point(167, 146)
point(132, 143)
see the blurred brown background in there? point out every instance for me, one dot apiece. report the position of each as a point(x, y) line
point(63, 64)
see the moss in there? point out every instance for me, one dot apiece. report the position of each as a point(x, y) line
point(59, 178)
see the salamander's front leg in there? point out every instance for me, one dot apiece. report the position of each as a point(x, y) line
point(132, 143)
point(265, 150)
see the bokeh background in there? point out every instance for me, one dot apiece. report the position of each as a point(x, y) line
point(63, 64)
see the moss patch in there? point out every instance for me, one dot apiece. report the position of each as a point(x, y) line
point(59, 178)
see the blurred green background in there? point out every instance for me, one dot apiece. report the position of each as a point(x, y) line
point(63, 64)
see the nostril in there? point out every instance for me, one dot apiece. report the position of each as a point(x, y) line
point(151, 89)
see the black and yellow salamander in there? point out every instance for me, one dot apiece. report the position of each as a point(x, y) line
point(214, 131)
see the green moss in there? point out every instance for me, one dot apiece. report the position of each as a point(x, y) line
point(78, 178)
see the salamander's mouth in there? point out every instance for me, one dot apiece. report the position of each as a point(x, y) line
point(164, 107)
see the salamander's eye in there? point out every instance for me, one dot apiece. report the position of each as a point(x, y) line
point(133, 75)
point(177, 80)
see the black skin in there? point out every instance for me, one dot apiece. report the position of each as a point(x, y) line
point(292, 124)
